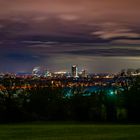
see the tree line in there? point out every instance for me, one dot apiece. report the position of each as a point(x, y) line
point(51, 104)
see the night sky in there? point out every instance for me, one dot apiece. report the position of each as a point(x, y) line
point(99, 35)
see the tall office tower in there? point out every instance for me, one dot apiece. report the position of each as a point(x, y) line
point(84, 73)
point(74, 70)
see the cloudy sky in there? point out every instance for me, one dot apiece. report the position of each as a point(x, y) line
point(99, 35)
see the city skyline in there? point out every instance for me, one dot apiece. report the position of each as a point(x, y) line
point(101, 36)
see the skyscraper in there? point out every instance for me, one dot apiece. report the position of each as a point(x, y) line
point(84, 73)
point(74, 70)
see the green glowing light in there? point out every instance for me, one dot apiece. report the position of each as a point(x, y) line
point(111, 92)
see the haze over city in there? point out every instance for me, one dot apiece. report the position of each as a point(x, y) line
point(101, 36)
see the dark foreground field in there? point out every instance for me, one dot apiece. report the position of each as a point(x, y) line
point(69, 132)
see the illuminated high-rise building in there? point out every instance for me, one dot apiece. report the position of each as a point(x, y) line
point(84, 73)
point(74, 70)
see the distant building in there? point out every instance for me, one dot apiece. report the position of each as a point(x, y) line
point(47, 74)
point(59, 74)
point(36, 71)
point(84, 73)
point(74, 70)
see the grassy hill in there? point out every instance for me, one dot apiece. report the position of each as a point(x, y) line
point(48, 131)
